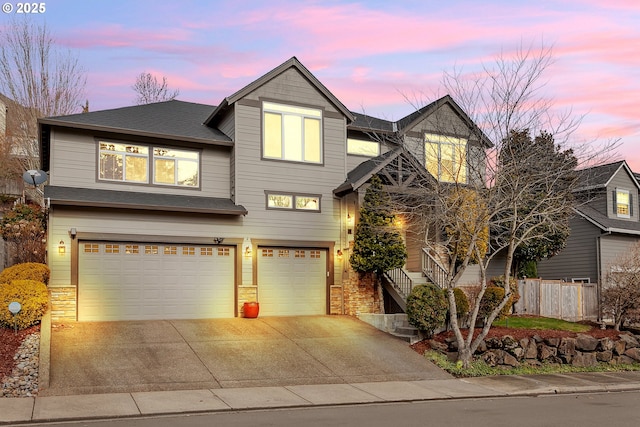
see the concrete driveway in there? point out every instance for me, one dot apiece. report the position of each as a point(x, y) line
point(108, 357)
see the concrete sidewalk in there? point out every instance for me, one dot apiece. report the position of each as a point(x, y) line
point(112, 405)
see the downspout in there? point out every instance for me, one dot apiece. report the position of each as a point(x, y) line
point(599, 272)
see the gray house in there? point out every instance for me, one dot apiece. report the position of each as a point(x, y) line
point(604, 226)
point(182, 210)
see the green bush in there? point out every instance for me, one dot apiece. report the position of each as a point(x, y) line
point(513, 285)
point(32, 296)
point(427, 308)
point(26, 271)
point(462, 302)
point(492, 297)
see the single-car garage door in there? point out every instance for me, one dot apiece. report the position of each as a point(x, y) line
point(138, 281)
point(292, 281)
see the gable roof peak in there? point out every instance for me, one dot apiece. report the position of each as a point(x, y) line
point(292, 62)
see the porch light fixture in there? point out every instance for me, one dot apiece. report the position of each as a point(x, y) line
point(349, 220)
point(247, 251)
point(339, 253)
point(62, 249)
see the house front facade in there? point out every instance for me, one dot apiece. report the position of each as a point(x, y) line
point(605, 225)
point(181, 210)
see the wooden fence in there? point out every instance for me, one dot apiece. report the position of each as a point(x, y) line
point(557, 299)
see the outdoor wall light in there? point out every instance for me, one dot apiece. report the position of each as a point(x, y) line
point(349, 220)
point(62, 249)
point(247, 250)
point(339, 253)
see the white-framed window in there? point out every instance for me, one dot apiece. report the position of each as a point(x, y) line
point(175, 167)
point(446, 157)
point(292, 133)
point(290, 201)
point(132, 163)
point(361, 147)
point(123, 162)
point(622, 203)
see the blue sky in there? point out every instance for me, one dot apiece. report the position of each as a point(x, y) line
point(372, 55)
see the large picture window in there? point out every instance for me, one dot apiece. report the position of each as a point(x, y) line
point(175, 167)
point(446, 157)
point(292, 133)
point(132, 163)
point(123, 162)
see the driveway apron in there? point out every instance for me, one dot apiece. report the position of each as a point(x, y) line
point(134, 356)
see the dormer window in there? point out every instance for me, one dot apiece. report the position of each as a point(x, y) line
point(292, 133)
point(622, 203)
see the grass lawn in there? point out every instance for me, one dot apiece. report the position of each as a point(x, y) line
point(545, 323)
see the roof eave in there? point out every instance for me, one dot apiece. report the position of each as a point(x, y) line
point(109, 129)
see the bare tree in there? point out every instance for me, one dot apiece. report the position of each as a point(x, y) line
point(150, 90)
point(484, 199)
point(621, 296)
point(41, 79)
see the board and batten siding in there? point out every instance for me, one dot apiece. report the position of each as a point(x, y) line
point(578, 260)
point(74, 164)
point(622, 181)
point(291, 86)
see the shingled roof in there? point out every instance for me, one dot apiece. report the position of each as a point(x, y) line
point(167, 120)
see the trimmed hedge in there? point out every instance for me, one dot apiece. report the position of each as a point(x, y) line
point(32, 295)
point(26, 271)
point(427, 308)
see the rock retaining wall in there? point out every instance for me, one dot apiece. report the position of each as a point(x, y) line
point(583, 350)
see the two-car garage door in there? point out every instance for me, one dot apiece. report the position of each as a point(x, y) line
point(149, 281)
point(136, 281)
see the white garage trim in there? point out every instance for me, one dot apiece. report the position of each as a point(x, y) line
point(144, 280)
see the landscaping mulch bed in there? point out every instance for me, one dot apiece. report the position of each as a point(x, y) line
point(9, 344)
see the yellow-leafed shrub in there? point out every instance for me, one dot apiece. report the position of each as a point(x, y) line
point(26, 271)
point(32, 295)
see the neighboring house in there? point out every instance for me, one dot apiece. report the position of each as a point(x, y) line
point(183, 210)
point(605, 225)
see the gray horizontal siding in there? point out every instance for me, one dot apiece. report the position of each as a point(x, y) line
point(74, 164)
point(578, 259)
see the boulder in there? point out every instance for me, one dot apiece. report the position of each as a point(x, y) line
point(586, 342)
point(531, 350)
point(584, 359)
point(605, 344)
point(517, 352)
point(629, 340)
point(438, 346)
point(552, 342)
point(494, 342)
point(604, 356)
point(509, 343)
point(545, 352)
point(509, 360)
point(623, 360)
point(633, 353)
point(567, 349)
point(619, 347)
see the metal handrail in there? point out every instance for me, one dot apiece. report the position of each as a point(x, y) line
point(400, 281)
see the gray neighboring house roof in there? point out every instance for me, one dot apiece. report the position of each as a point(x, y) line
point(598, 178)
point(72, 196)
point(607, 224)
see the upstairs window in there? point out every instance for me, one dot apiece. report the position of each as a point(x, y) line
point(298, 202)
point(622, 203)
point(446, 158)
point(292, 133)
point(175, 167)
point(361, 147)
point(123, 162)
point(132, 163)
